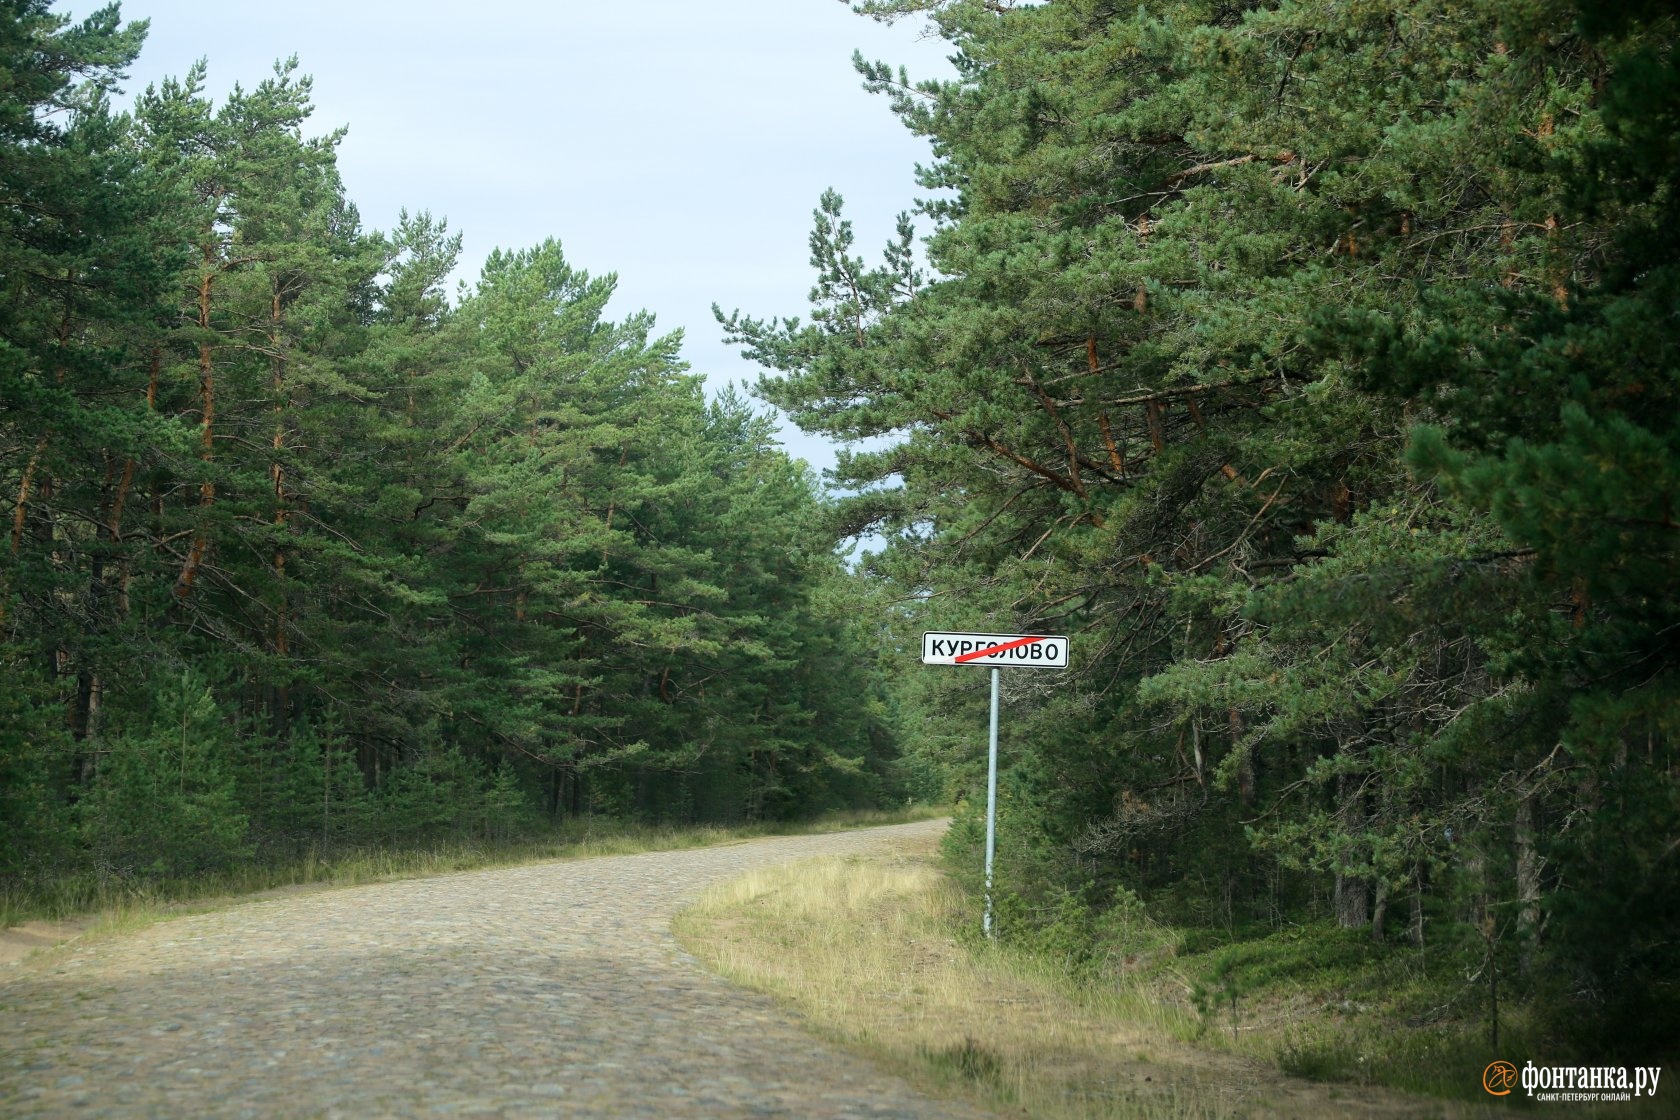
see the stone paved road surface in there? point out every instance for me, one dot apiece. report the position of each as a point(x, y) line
point(552, 990)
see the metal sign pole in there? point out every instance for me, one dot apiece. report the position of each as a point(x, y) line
point(994, 651)
point(991, 804)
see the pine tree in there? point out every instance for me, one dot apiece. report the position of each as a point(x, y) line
point(1201, 270)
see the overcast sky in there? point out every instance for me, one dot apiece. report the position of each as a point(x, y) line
point(679, 143)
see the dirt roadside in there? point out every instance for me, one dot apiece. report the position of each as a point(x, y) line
point(18, 942)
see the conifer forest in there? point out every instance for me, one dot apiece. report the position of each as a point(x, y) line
point(1313, 364)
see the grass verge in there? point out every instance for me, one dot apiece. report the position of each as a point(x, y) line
point(1319, 1002)
point(868, 950)
point(94, 905)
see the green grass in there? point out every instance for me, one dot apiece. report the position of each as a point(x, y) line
point(116, 902)
point(1327, 1004)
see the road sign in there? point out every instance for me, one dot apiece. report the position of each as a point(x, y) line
point(999, 651)
point(995, 652)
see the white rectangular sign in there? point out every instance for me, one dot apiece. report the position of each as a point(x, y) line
point(1005, 651)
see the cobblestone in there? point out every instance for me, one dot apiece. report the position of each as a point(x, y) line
point(549, 990)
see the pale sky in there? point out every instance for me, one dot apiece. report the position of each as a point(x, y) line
point(679, 143)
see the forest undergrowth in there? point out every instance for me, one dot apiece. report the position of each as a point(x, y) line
point(884, 954)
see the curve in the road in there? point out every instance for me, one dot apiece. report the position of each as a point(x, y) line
point(550, 990)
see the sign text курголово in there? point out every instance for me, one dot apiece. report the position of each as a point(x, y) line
point(1015, 651)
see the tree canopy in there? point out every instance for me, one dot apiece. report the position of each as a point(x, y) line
point(299, 551)
point(1313, 364)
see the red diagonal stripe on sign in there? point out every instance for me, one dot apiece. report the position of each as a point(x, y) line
point(997, 649)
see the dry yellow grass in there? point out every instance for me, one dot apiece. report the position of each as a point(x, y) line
point(862, 948)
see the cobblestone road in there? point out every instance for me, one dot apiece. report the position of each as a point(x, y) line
point(548, 990)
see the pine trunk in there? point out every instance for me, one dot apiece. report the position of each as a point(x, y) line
point(1352, 896)
point(1529, 867)
point(207, 437)
point(280, 702)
